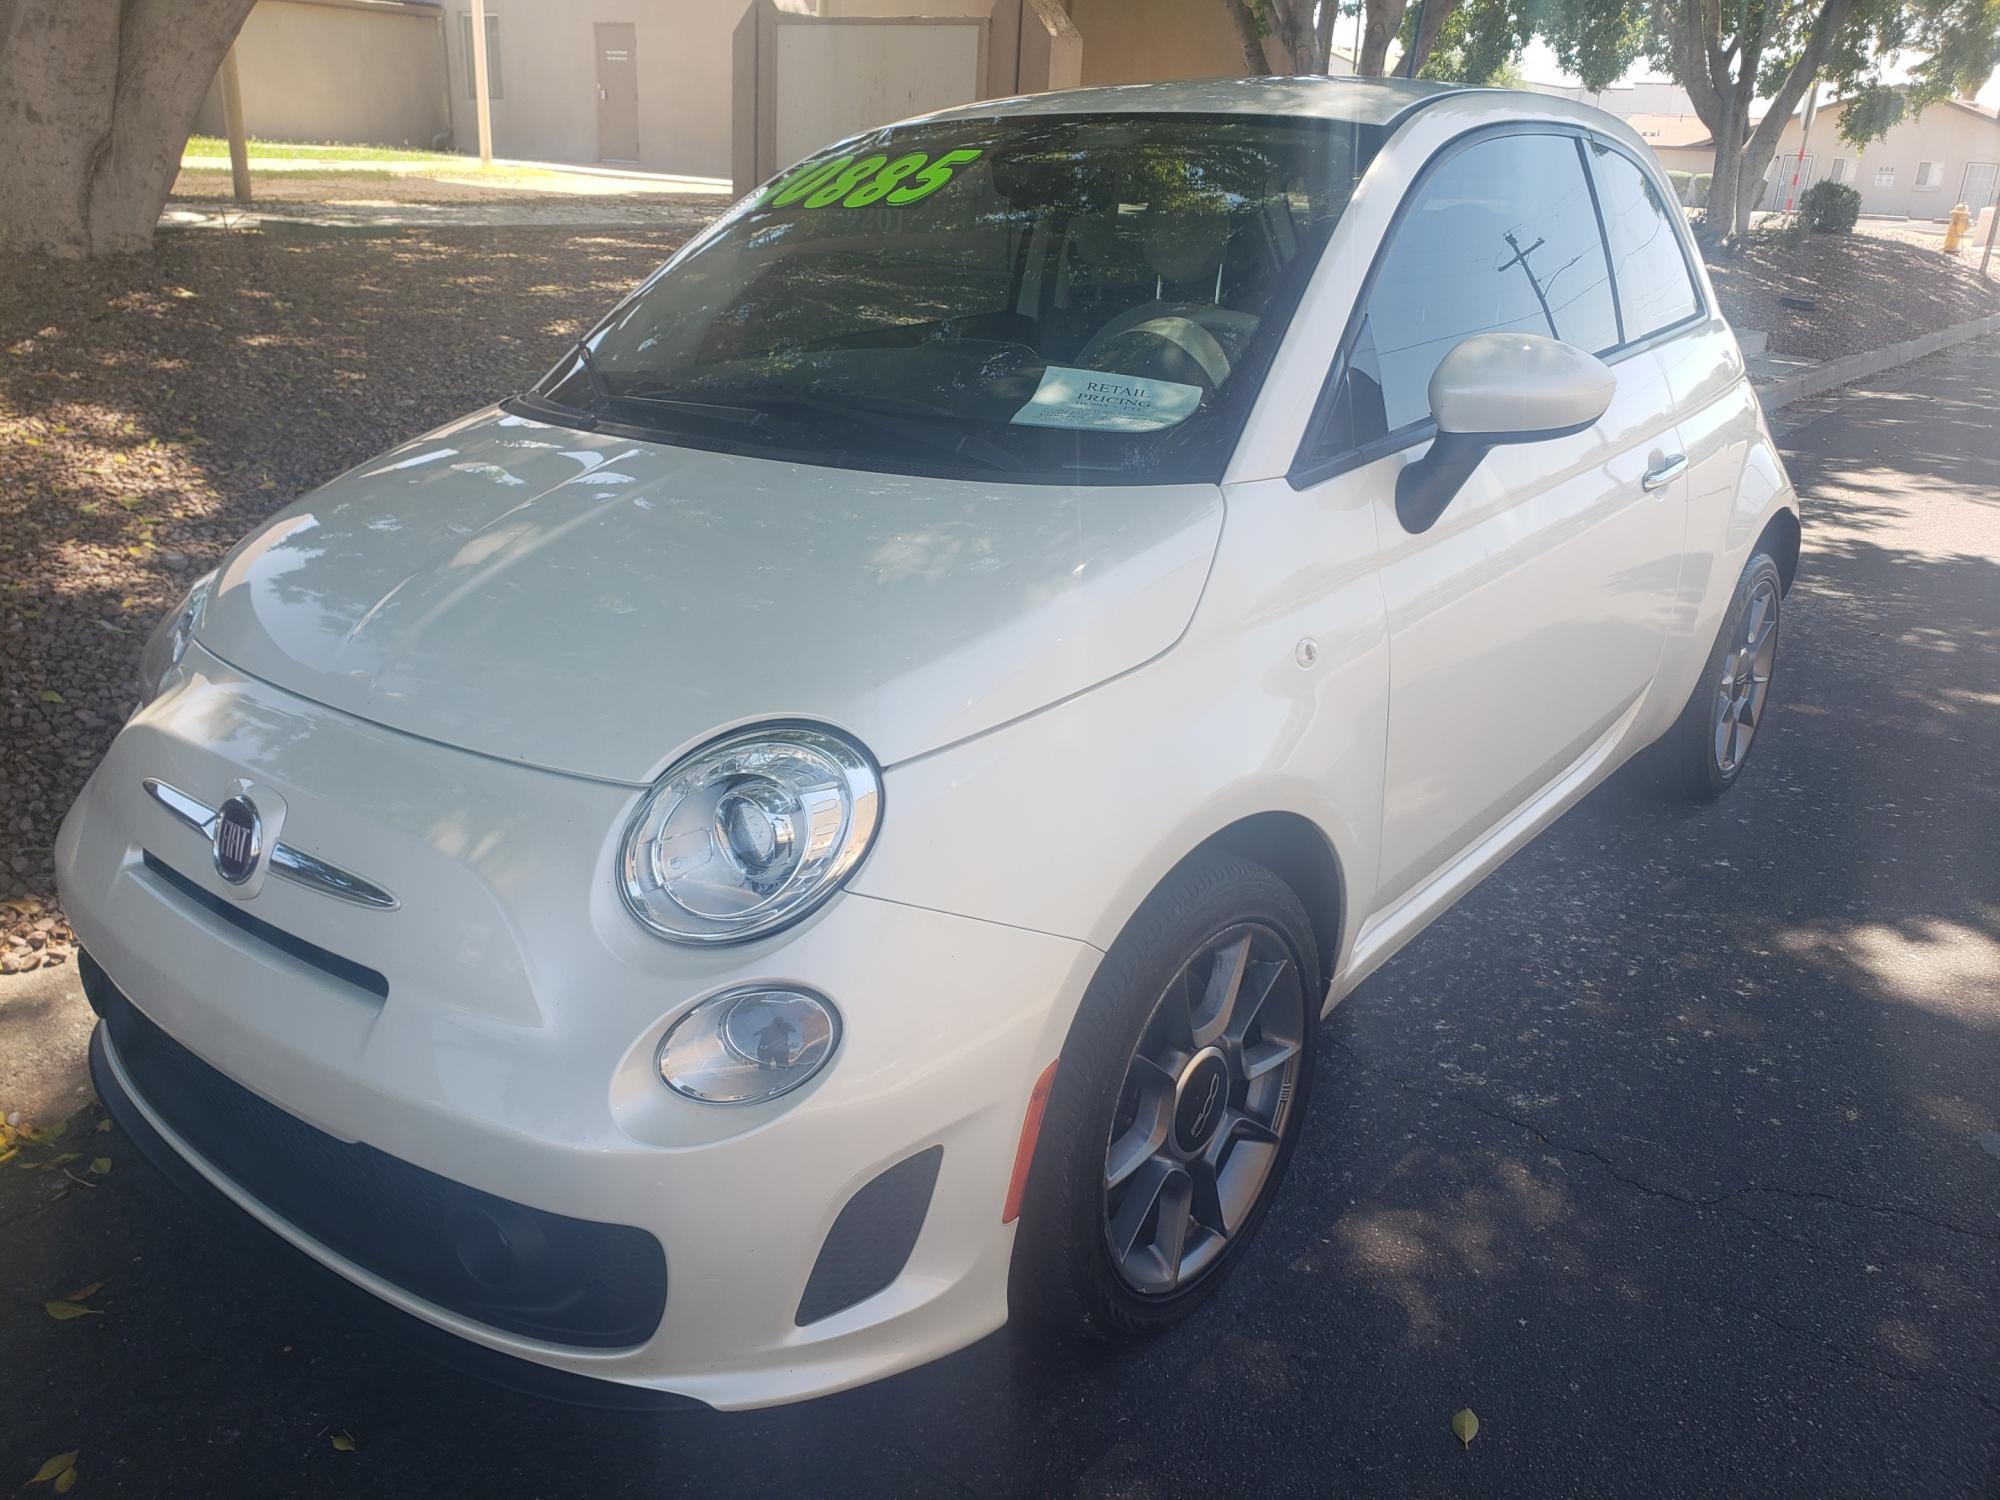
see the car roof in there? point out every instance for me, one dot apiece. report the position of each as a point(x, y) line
point(1386, 102)
point(1366, 101)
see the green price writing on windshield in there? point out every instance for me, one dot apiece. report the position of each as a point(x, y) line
point(857, 181)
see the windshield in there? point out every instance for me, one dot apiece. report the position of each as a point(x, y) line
point(1048, 297)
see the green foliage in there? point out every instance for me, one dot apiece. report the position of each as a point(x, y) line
point(1599, 40)
point(1871, 114)
point(1479, 43)
point(1958, 40)
point(1683, 182)
point(1698, 189)
point(1830, 207)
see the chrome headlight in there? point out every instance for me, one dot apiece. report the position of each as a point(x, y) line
point(749, 834)
point(169, 641)
point(748, 1045)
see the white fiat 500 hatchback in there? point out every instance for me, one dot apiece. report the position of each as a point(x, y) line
point(838, 813)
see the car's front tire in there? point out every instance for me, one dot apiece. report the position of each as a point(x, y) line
point(1177, 1103)
point(1702, 756)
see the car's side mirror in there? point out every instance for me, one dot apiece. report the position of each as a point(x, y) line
point(1498, 388)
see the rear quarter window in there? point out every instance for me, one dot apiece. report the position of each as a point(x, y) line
point(1655, 288)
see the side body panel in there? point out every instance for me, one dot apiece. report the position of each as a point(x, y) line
point(1276, 700)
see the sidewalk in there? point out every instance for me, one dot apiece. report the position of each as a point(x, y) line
point(376, 195)
point(1780, 380)
point(567, 177)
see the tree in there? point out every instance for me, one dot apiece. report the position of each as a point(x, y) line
point(1302, 30)
point(96, 101)
point(1480, 36)
point(1729, 56)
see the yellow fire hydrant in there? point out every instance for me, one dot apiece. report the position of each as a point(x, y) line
point(1954, 231)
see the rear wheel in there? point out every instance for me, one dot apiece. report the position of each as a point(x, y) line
point(1176, 1105)
point(1706, 750)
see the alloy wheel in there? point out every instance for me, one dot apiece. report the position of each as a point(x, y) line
point(1205, 1104)
point(1746, 680)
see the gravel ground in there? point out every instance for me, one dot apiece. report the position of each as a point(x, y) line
point(153, 409)
point(1880, 285)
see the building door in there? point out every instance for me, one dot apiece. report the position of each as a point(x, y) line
point(1980, 185)
point(1782, 190)
point(617, 92)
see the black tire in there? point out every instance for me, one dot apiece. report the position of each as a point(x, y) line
point(1693, 764)
point(1065, 1273)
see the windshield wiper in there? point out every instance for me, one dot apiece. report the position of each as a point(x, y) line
point(964, 447)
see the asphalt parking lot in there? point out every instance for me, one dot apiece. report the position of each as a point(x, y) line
point(1673, 1152)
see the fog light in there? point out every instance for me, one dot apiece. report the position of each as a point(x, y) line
point(748, 1045)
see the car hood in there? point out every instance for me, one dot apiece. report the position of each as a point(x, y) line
point(598, 605)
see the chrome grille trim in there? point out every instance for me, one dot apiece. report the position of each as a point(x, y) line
point(287, 862)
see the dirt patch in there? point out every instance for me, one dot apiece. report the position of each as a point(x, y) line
point(153, 409)
point(1872, 288)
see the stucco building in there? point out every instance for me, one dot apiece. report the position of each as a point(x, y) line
point(355, 72)
point(1948, 154)
point(707, 88)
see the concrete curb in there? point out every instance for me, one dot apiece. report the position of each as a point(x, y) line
point(1838, 372)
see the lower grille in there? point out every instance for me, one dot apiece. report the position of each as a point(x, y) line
point(872, 1238)
point(529, 1272)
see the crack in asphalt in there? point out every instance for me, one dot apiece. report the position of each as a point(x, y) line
point(1720, 1201)
point(1847, 1356)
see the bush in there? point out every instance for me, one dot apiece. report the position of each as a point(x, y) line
point(1698, 190)
point(1830, 207)
point(1682, 181)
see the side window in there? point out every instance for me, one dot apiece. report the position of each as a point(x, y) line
point(1501, 236)
point(1655, 289)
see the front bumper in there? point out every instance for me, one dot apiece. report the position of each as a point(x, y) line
point(513, 1051)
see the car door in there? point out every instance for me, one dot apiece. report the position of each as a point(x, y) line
point(1526, 625)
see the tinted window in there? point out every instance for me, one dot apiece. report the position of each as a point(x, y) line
point(1501, 236)
point(1032, 295)
point(1654, 289)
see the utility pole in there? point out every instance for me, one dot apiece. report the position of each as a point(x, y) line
point(481, 103)
point(1991, 224)
point(232, 123)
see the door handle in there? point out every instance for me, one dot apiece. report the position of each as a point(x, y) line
point(1665, 472)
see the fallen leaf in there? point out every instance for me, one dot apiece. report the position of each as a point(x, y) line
point(104, 1124)
point(63, 1311)
point(84, 1294)
point(55, 1466)
point(9, 1154)
point(1465, 1427)
point(50, 695)
point(66, 1481)
point(100, 1166)
point(342, 1443)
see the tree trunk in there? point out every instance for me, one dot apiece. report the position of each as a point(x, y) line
point(1719, 214)
point(1430, 25)
point(1254, 62)
point(1762, 144)
point(96, 101)
point(1384, 20)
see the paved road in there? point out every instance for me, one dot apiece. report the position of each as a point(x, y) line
point(1664, 1153)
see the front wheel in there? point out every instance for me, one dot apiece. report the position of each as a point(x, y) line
point(1706, 750)
point(1177, 1103)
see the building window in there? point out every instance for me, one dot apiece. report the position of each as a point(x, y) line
point(1930, 174)
point(1843, 169)
point(1885, 177)
point(492, 52)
